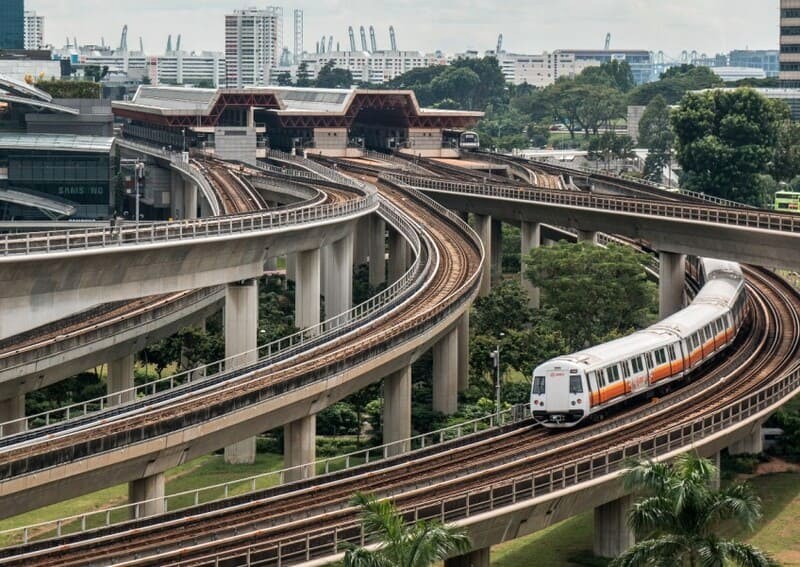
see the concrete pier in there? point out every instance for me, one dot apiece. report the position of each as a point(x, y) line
point(120, 379)
point(475, 558)
point(531, 235)
point(397, 410)
point(445, 373)
point(497, 251)
point(752, 444)
point(463, 352)
point(483, 226)
point(299, 448)
point(398, 255)
point(612, 535)
point(11, 409)
point(241, 335)
point(189, 200)
point(176, 196)
point(587, 236)
point(307, 289)
point(361, 249)
point(291, 267)
point(144, 489)
point(377, 251)
point(671, 282)
point(338, 281)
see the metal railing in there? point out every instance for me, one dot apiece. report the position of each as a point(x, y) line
point(177, 231)
point(324, 172)
point(523, 488)
point(263, 355)
point(406, 164)
point(80, 523)
point(751, 218)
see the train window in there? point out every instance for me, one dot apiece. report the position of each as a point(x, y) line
point(639, 364)
point(671, 349)
point(575, 385)
point(649, 359)
point(614, 373)
point(589, 377)
point(661, 358)
point(720, 326)
point(538, 385)
point(626, 369)
point(601, 378)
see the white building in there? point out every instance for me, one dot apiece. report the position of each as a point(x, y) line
point(541, 69)
point(34, 30)
point(376, 68)
point(731, 74)
point(253, 45)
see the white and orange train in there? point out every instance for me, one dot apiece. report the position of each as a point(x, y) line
point(585, 385)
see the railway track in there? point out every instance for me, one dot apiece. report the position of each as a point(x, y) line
point(767, 348)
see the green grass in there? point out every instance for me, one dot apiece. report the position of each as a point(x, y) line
point(779, 535)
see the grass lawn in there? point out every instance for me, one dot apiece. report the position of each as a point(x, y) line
point(780, 534)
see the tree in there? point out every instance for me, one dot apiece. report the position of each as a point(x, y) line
point(614, 74)
point(610, 146)
point(330, 77)
point(676, 522)
point(417, 545)
point(565, 99)
point(655, 134)
point(786, 161)
point(284, 79)
point(491, 89)
point(583, 286)
point(303, 75)
point(458, 84)
point(598, 107)
point(95, 73)
point(725, 139)
point(675, 83)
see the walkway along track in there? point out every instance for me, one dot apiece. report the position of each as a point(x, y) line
point(455, 255)
point(268, 525)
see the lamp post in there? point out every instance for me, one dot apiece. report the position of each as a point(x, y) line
point(138, 173)
point(495, 356)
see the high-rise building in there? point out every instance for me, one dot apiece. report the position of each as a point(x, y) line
point(12, 24)
point(790, 43)
point(34, 30)
point(253, 45)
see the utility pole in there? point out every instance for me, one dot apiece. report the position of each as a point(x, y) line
point(138, 167)
point(495, 356)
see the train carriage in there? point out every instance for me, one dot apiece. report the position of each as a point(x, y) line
point(569, 389)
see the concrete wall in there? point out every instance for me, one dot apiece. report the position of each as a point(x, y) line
point(235, 144)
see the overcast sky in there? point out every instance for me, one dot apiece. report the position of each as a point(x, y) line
point(709, 26)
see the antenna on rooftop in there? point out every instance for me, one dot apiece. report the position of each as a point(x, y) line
point(352, 35)
point(392, 38)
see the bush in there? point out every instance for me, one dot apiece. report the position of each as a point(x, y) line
point(70, 89)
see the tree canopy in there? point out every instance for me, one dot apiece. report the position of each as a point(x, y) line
point(675, 83)
point(655, 134)
point(725, 139)
point(677, 520)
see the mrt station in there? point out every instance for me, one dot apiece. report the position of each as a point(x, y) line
point(242, 123)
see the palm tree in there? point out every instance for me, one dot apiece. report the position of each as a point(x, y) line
point(415, 545)
point(676, 521)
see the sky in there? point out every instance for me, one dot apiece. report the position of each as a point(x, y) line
point(528, 26)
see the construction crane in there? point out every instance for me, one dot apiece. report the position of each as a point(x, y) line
point(330, 44)
point(178, 44)
point(352, 35)
point(363, 39)
point(169, 44)
point(123, 41)
point(322, 45)
point(392, 38)
point(499, 44)
point(372, 39)
point(141, 45)
point(608, 41)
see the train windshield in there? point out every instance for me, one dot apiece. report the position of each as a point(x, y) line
point(538, 385)
point(575, 385)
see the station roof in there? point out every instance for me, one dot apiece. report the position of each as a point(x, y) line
point(37, 103)
point(289, 106)
point(56, 142)
point(22, 89)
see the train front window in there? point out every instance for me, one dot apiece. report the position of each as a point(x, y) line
point(575, 385)
point(538, 385)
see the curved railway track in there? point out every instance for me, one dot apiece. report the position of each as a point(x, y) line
point(766, 349)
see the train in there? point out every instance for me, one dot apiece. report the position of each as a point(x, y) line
point(466, 140)
point(787, 202)
point(586, 385)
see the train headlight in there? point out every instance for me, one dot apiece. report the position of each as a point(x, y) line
point(580, 401)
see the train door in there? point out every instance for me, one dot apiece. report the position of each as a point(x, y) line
point(639, 378)
point(675, 359)
point(648, 359)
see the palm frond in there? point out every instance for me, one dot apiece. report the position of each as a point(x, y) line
point(745, 555)
point(665, 550)
point(737, 502)
point(652, 515)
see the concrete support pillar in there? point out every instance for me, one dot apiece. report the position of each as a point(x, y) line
point(463, 352)
point(361, 251)
point(483, 226)
point(307, 289)
point(587, 236)
point(531, 233)
point(377, 251)
point(715, 480)
point(10, 410)
point(612, 535)
point(299, 448)
point(548, 242)
point(497, 251)
point(397, 410)
point(271, 264)
point(150, 488)
point(445, 373)
point(176, 210)
point(398, 255)
point(205, 208)
point(672, 278)
point(241, 335)
point(475, 558)
point(753, 444)
point(338, 276)
point(189, 200)
point(291, 267)
point(120, 379)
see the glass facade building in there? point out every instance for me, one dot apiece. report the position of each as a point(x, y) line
point(12, 24)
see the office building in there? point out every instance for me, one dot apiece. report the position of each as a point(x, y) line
point(764, 59)
point(790, 43)
point(641, 62)
point(253, 45)
point(12, 14)
point(542, 69)
point(376, 68)
point(34, 31)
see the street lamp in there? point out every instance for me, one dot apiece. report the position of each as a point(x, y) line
point(138, 173)
point(495, 356)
